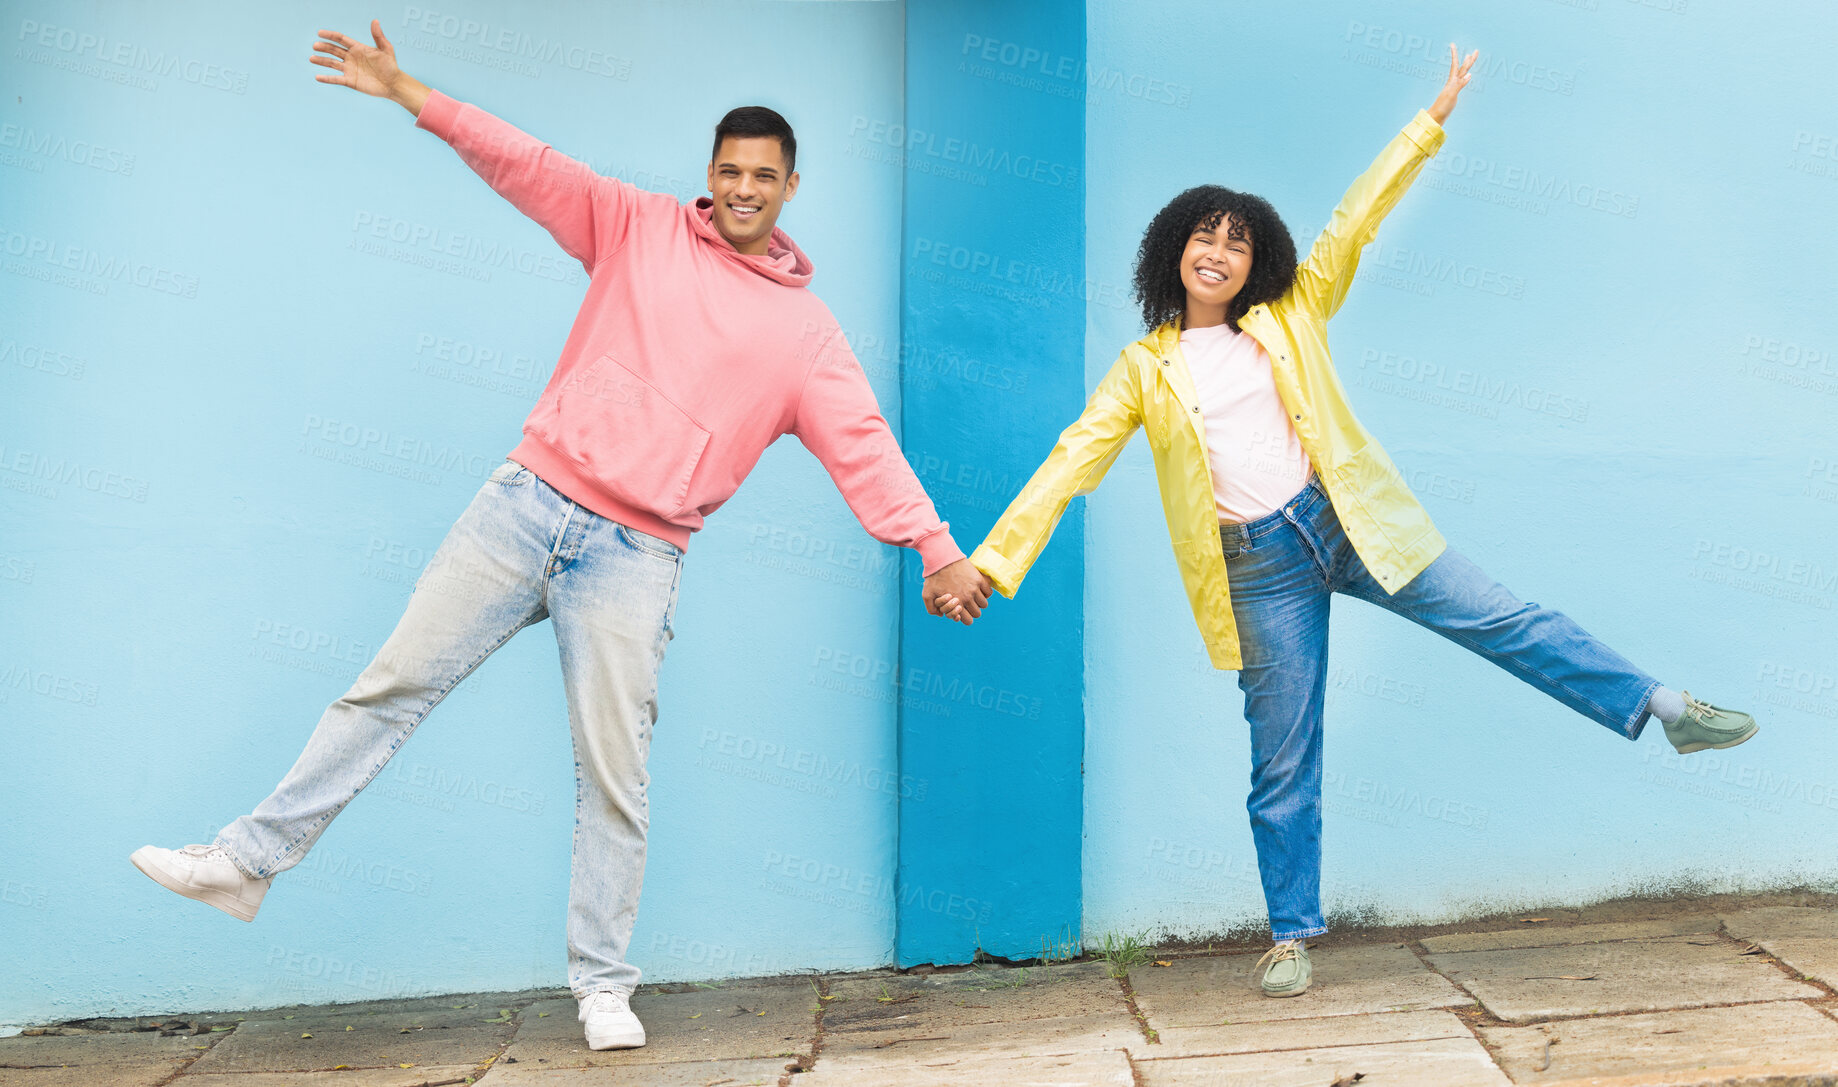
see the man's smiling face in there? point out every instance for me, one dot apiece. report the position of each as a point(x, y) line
point(750, 185)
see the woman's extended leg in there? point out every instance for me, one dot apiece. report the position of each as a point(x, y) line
point(1542, 646)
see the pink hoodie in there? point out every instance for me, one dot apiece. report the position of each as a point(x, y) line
point(687, 358)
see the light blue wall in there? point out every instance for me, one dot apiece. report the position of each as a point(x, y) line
point(178, 614)
point(1678, 380)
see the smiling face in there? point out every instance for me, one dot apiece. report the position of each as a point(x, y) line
point(1214, 267)
point(750, 185)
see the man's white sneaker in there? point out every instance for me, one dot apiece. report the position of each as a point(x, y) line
point(610, 1022)
point(206, 873)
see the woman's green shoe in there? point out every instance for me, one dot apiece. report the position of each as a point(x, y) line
point(1289, 972)
point(1703, 725)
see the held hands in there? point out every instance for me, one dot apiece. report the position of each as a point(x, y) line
point(1459, 74)
point(369, 69)
point(959, 591)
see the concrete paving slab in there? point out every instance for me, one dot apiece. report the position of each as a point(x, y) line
point(1337, 1030)
point(1811, 957)
point(425, 1035)
point(140, 1059)
point(490, 1001)
point(1353, 980)
point(1670, 1047)
point(1442, 1062)
point(103, 1075)
point(354, 1077)
point(1524, 984)
point(1778, 922)
point(905, 1043)
point(975, 996)
point(1548, 935)
point(90, 1050)
point(1077, 1070)
point(753, 1073)
point(1803, 938)
point(739, 1023)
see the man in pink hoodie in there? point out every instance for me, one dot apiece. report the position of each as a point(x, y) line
point(697, 346)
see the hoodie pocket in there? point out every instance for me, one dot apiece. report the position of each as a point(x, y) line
point(633, 440)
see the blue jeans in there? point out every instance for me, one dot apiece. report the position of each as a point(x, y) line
point(1284, 568)
point(520, 553)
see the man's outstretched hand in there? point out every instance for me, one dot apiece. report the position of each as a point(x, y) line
point(963, 585)
point(370, 69)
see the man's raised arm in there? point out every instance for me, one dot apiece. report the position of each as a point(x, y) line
point(585, 212)
point(839, 421)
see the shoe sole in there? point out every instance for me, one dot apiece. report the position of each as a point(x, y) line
point(1702, 746)
point(621, 1042)
point(222, 900)
point(1286, 992)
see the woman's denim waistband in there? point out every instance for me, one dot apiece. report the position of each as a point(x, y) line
point(1303, 503)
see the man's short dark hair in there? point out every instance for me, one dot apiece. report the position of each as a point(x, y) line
point(749, 121)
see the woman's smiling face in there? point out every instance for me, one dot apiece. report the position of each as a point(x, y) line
point(1214, 267)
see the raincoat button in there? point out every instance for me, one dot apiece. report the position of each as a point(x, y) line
point(1197, 409)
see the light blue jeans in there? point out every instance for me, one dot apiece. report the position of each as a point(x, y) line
point(520, 553)
point(1284, 568)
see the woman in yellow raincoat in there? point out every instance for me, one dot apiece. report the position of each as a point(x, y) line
point(1277, 498)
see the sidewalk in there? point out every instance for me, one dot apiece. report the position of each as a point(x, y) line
point(1709, 991)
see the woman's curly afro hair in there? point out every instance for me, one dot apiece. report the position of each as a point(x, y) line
point(1158, 260)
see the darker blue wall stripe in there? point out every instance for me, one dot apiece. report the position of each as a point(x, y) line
point(992, 340)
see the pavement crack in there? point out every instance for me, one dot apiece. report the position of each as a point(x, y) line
point(214, 1037)
point(1472, 1018)
point(804, 1063)
point(1752, 947)
point(903, 1041)
point(1149, 1033)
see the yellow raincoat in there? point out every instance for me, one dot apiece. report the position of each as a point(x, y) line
point(1151, 387)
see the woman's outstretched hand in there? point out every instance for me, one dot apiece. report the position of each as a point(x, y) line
point(1460, 71)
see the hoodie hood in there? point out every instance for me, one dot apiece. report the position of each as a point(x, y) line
point(784, 261)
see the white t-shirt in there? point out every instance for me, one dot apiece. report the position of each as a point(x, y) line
point(1256, 459)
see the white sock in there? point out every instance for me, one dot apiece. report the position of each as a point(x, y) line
point(1666, 705)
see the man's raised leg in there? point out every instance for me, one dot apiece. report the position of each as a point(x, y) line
point(484, 583)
